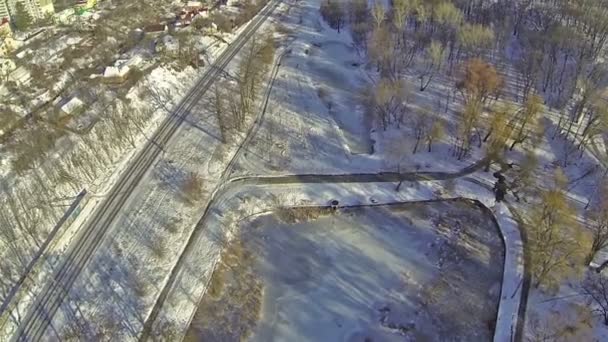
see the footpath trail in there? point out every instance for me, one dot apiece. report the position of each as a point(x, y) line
point(356, 189)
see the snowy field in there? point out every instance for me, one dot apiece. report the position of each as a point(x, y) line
point(116, 291)
point(383, 273)
point(315, 124)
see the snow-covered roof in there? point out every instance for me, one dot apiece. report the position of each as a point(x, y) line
point(122, 67)
point(73, 40)
point(73, 105)
point(21, 75)
point(113, 71)
point(24, 52)
point(194, 4)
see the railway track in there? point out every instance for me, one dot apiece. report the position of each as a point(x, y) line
point(49, 300)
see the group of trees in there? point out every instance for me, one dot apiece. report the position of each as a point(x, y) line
point(23, 20)
point(30, 209)
point(557, 43)
point(232, 111)
point(552, 52)
point(424, 38)
point(557, 243)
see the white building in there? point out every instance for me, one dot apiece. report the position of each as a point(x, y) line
point(73, 106)
point(38, 9)
point(4, 13)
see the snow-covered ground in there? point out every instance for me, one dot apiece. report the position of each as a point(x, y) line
point(118, 288)
point(369, 273)
point(242, 202)
point(316, 122)
point(301, 135)
point(175, 84)
point(197, 144)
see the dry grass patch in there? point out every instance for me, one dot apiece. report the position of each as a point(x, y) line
point(192, 188)
point(301, 214)
point(231, 307)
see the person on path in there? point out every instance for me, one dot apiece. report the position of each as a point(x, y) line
point(500, 187)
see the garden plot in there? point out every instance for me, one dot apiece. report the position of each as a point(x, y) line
point(420, 271)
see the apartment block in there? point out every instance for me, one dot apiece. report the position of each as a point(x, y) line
point(37, 8)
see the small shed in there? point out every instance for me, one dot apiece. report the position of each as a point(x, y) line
point(193, 6)
point(73, 107)
point(119, 73)
point(114, 74)
point(154, 28)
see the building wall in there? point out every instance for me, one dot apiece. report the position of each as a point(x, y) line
point(5, 30)
point(7, 46)
point(4, 9)
point(37, 8)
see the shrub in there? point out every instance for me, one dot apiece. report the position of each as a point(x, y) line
point(192, 187)
point(223, 22)
point(301, 214)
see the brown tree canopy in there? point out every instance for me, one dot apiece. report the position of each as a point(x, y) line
point(479, 81)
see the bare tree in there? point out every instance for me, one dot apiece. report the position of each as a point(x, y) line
point(435, 54)
point(382, 51)
point(595, 287)
point(597, 223)
point(378, 14)
point(573, 324)
point(422, 122)
point(333, 13)
point(479, 81)
point(469, 120)
point(221, 113)
point(436, 132)
point(529, 115)
point(386, 100)
point(556, 242)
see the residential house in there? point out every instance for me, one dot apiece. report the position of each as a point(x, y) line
point(73, 107)
point(193, 6)
point(20, 75)
point(67, 16)
point(189, 12)
point(119, 73)
point(7, 46)
point(155, 28)
point(184, 18)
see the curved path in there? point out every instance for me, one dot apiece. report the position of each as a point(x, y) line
point(355, 189)
point(512, 290)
